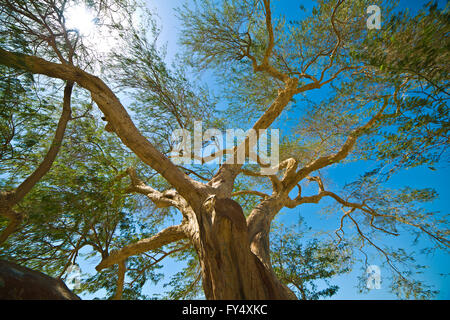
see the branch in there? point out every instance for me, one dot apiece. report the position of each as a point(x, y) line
point(343, 151)
point(364, 237)
point(228, 172)
point(10, 199)
point(189, 171)
point(160, 199)
point(338, 43)
point(276, 183)
point(269, 28)
point(290, 166)
point(50, 157)
point(155, 261)
point(372, 213)
point(120, 280)
point(15, 219)
point(346, 213)
point(292, 203)
point(166, 236)
point(265, 65)
point(117, 116)
point(254, 192)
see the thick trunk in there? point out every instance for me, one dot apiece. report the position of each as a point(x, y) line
point(230, 269)
point(20, 283)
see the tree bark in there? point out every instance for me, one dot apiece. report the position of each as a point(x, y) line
point(20, 283)
point(230, 270)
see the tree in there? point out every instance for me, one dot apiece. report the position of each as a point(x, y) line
point(266, 64)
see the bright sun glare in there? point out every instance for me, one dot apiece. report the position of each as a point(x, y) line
point(80, 18)
point(95, 30)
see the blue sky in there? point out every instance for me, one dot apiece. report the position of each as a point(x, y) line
point(420, 177)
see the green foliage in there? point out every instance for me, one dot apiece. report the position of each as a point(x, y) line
point(28, 118)
point(187, 283)
point(415, 49)
point(80, 203)
point(303, 264)
point(405, 280)
point(415, 45)
point(217, 32)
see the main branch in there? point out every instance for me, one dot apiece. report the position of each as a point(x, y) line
point(164, 237)
point(9, 199)
point(117, 116)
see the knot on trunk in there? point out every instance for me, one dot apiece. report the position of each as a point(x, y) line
point(226, 208)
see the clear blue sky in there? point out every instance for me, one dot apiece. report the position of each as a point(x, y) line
point(341, 174)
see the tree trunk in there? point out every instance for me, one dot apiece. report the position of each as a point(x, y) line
point(230, 270)
point(20, 283)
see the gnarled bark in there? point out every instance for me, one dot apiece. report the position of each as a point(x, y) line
point(230, 270)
